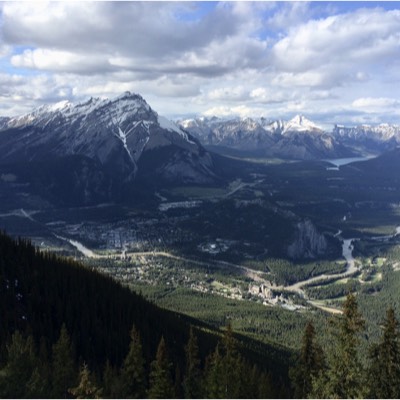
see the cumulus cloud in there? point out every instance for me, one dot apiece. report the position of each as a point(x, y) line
point(366, 35)
point(240, 110)
point(261, 58)
point(126, 35)
point(64, 61)
point(373, 102)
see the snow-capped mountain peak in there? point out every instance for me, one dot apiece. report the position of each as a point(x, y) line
point(301, 124)
point(114, 132)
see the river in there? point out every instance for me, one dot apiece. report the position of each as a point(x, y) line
point(347, 252)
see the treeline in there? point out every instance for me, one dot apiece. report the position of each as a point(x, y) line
point(30, 372)
point(64, 332)
point(340, 372)
point(288, 272)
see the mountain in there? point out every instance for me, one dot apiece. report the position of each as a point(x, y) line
point(301, 124)
point(385, 166)
point(242, 133)
point(298, 138)
point(369, 138)
point(3, 122)
point(118, 143)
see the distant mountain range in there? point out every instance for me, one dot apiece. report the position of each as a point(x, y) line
point(114, 149)
point(298, 138)
point(101, 148)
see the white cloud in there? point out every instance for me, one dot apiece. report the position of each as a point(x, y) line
point(228, 93)
point(366, 35)
point(240, 110)
point(373, 102)
point(56, 61)
point(246, 57)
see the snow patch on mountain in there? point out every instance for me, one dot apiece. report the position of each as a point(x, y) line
point(169, 125)
point(172, 126)
point(114, 134)
point(301, 124)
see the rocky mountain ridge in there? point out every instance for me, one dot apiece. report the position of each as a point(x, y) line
point(113, 142)
point(298, 138)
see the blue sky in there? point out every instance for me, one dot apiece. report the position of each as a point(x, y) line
point(334, 62)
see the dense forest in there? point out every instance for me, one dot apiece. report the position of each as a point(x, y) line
point(343, 370)
point(67, 331)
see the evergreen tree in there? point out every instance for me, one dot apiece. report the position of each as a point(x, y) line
point(192, 382)
point(310, 362)
point(384, 370)
point(225, 376)
point(161, 385)
point(39, 384)
point(20, 366)
point(86, 388)
point(178, 383)
point(232, 364)
point(214, 372)
point(111, 384)
point(63, 370)
point(344, 375)
point(133, 380)
point(265, 387)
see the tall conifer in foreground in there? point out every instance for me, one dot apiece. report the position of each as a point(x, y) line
point(344, 375)
point(20, 366)
point(86, 388)
point(63, 368)
point(192, 383)
point(133, 378)
point(213, 375)
point(384, 370)
point(309, 364)
point(161, 384)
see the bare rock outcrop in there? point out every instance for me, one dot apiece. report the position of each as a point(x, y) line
point(308, 243)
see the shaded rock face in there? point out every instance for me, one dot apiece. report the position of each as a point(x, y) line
point(122, 141)
point(373, 139)
point(309, 146)
point(308, 243)
point(298, 138)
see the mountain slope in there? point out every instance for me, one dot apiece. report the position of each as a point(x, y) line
point(298, 138)
point(113, 136)
point(369, 138)
point(40, 292)
point(243, 134)
point(385, 166)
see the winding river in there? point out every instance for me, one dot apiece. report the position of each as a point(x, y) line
point(347, 251)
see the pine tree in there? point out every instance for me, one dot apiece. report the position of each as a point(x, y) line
point(63, 370)
point(39, 384)
point(344, 375)
point(214, 374)
point(308, 365)
point(265, 387)
point(133, 379)
point(384, 370)
point(161, 385)
point(232, 364)
point(20, 367)
point(111, 384)
point(86, 388)
point(225, 376)
point(178, 392)
point(192, 382)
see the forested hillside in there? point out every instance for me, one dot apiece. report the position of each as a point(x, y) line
point(350, 366)
point(67, 331)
